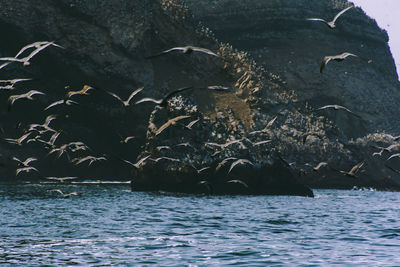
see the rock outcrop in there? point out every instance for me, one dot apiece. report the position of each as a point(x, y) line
point(105, 47)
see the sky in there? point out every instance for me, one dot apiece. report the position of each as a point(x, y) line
point(387, 15)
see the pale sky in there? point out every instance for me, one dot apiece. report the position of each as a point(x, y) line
point(387, 15)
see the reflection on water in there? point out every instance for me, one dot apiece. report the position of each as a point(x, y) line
point(108, 224)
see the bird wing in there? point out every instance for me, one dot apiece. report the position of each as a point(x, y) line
point(237, 181)
point(269, 124)
point(148, 99)
point(321, 164)
point(140, 161)
point(35, 44)
point(204, 50)
point(29, 160)
point(324, 61)
point(165, 52)
point(133, 94)
point(190, 125)
point(262, 142)
point(115, 95)
point(356, 167)
point(340, 13)
point(170, 94)
point(317, 19)
point(54, 104)
point(347, 54)
point(34, 92)
point(394, 155)
point(22, 138)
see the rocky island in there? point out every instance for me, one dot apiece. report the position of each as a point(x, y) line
point(251, 123)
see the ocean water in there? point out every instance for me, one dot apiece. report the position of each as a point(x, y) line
point(109, 224)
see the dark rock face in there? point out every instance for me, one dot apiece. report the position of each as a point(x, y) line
point(105, 47)
point(277, 35)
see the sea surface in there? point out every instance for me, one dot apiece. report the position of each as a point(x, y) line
point(110, 225)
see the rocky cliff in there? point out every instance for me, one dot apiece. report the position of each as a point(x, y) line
point(105, 47)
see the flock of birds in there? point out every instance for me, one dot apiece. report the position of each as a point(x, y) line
point(36, 132)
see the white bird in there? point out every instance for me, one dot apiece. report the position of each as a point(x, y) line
point(66, 195)
point(337, 107)
point(340, 57)
point(83, 91)
point(20, 140)
point(60, 102)
point(26, 162)
point(138, 163)
point(39, 46)
point(9, 84)
point(25, 169)
point(269, 124)
point(91, 160)
point(331, 24)
point(126, 102)
point(185, 50)
point(61, 179)
point(27, 95)
point(170, 122)
point(240, 162)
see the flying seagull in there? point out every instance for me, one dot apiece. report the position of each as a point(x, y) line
point(60, 102)
point(340, 57)
point(83, 91)
point(24, 163)
point(39, 46)
point(331, 24)
point(25, 169)
point(18, 141)
point(138, 163)
point(27, 95)
point(61, 179)
point(172, 121)
point(185, 50)
point(126, 102)
point(269, 124)
point(239, 162)
point(64, 195)
point(91, 160)
point(163, 102)
point(9, 84)
point(354, 170)
point(337, 107)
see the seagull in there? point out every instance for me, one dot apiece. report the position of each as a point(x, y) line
point(223, 162)
point(18, 141)
point(52, 140)
point(354, 170)
point(331, 24)
point(61, 179)
point(77, 146)
point(66, 195)
point(238, 182)
point(269, 124)
point(25, 169)
point(83, 91)
point(138, 163)
point(44, 127)
point(60, 102)
point(163, 102)
point(60, 151)
point(340, 57)
point(164, 158)
point(26, 60)
point(185, 50)
point(91, 160)
point(9, 84)
point(239, 162)
point(172, 121)
point(26, 162)
point(337, 107)
point(27, 95)
point(223, 146)
point(394, 156)
point(127, 139)
point(126, 102)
